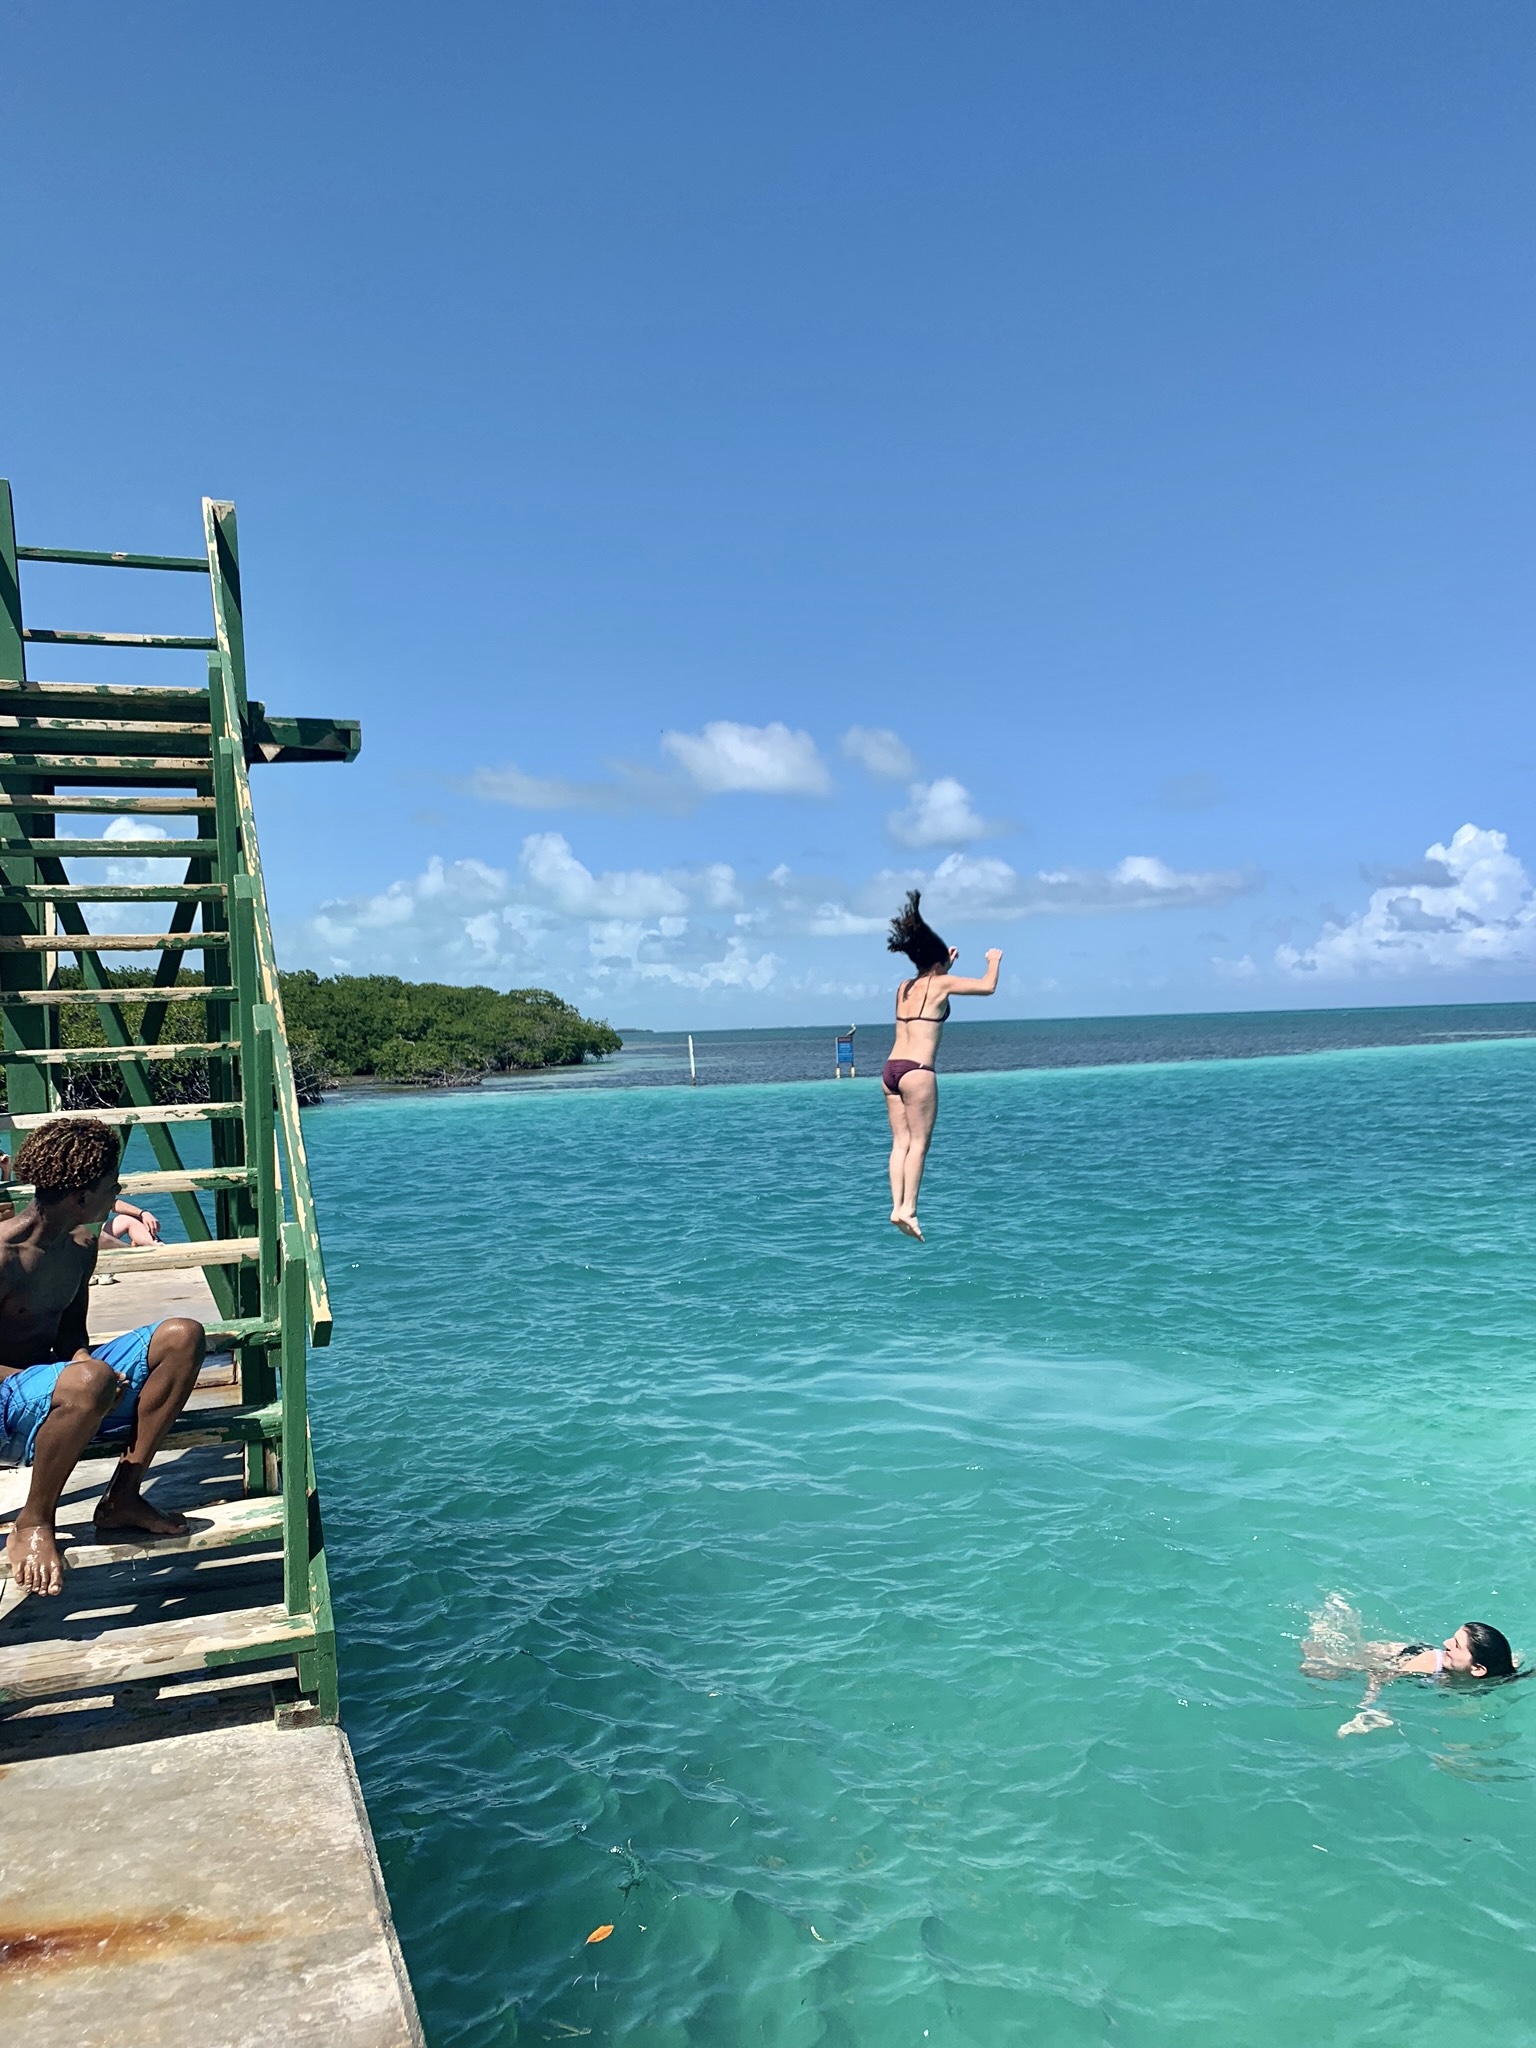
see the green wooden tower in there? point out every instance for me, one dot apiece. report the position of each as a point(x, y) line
point(70, 752)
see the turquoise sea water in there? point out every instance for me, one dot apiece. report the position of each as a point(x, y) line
point(898, 1643)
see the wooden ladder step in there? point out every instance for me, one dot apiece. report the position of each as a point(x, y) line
point(67, 636)
point(147, 1113)
point(122, 765)
point(157, 741)
point(114, 1055)
point(128, 993)
point(120, 806)
point(167, 1258)
point(22, 720)
point(106, 849)
point(119, 697)
point(111, 892)
point(112, 942)
point(221, 1525)
point(157, 1649)
point(185, 1181)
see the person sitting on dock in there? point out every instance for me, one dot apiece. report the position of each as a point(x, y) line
point(131, 1225)
point(56, 1390)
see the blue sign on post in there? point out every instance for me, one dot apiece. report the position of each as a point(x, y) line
point(845, 1053)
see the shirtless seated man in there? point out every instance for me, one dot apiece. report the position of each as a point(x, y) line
point(56, 1391)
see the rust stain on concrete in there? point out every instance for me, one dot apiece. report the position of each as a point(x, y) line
point(70, 1944)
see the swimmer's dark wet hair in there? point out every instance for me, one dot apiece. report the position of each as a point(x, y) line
point(66, 1157)
point(1490, 1648)
point(912, 934)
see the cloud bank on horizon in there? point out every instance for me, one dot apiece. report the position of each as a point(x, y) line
point(619, 938)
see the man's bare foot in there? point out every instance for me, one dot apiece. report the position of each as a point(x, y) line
point(909, 1225)
point(136, 1513)
point(33, 1556)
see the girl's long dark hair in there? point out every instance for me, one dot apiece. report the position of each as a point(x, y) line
point(1490, 1648)
point(912, 934)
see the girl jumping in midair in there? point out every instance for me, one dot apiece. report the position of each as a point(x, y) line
point(911, 1082)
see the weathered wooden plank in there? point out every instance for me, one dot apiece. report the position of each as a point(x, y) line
point(138, 768)
point(114, 1055)
point(100, 700)
point(112, 942)
point(104, 849)
point(189, 1178)
point(111, 892)
point(27, 742)
point(155, 1181)
point(63, 805)
point(156, 1649)
point(146, 1113)
point(165, 1258)
point(64, 636)
point(114, 996)
point(220, 1525)
point(46, 728)
point(93, 558)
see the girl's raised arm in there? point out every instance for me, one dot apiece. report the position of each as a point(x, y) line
point(972, 985)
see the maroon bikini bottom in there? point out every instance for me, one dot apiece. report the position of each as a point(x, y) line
point(895, 1070)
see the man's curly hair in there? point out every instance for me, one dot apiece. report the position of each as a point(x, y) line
point(65, 1157)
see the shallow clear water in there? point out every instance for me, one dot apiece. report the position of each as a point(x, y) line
point(899, 1643)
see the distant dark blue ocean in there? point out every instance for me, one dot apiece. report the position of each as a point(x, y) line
point(982, 1045)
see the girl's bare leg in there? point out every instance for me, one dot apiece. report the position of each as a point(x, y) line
point(896, 1109)
point(920, 1104)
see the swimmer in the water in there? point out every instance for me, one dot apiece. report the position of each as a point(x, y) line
point(911, 1082)
point(1477, 1651)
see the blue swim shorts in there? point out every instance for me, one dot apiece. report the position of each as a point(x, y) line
point(26, 1396)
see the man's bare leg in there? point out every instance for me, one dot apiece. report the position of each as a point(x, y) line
point(176, 1353)
point(85, 1392)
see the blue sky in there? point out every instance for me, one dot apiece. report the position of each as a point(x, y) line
point(741, 461)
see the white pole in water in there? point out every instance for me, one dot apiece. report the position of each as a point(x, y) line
point(693, 1072)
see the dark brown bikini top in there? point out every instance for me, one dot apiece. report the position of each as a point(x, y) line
point(939, 1016)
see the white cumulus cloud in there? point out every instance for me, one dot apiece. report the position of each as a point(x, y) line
point(769, 760)
point(1471, 905)
point(556, 877)
point(598, 938)
point(879, 750)
point(981, 885)
point(940, 814)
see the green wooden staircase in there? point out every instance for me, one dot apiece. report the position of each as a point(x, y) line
point(182, 753)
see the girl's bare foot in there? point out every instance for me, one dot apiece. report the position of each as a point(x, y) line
point(33, 1556)
point(909, 1225)
point(1367, 1719)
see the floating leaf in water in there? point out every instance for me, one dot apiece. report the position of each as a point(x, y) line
point(598, 1934)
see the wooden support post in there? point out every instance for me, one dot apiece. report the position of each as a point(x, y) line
point(28, 1087)
point(263, 1137)
point(295, 1348)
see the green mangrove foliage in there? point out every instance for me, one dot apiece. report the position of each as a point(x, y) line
point(421, 1034)
point(427, 1033)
